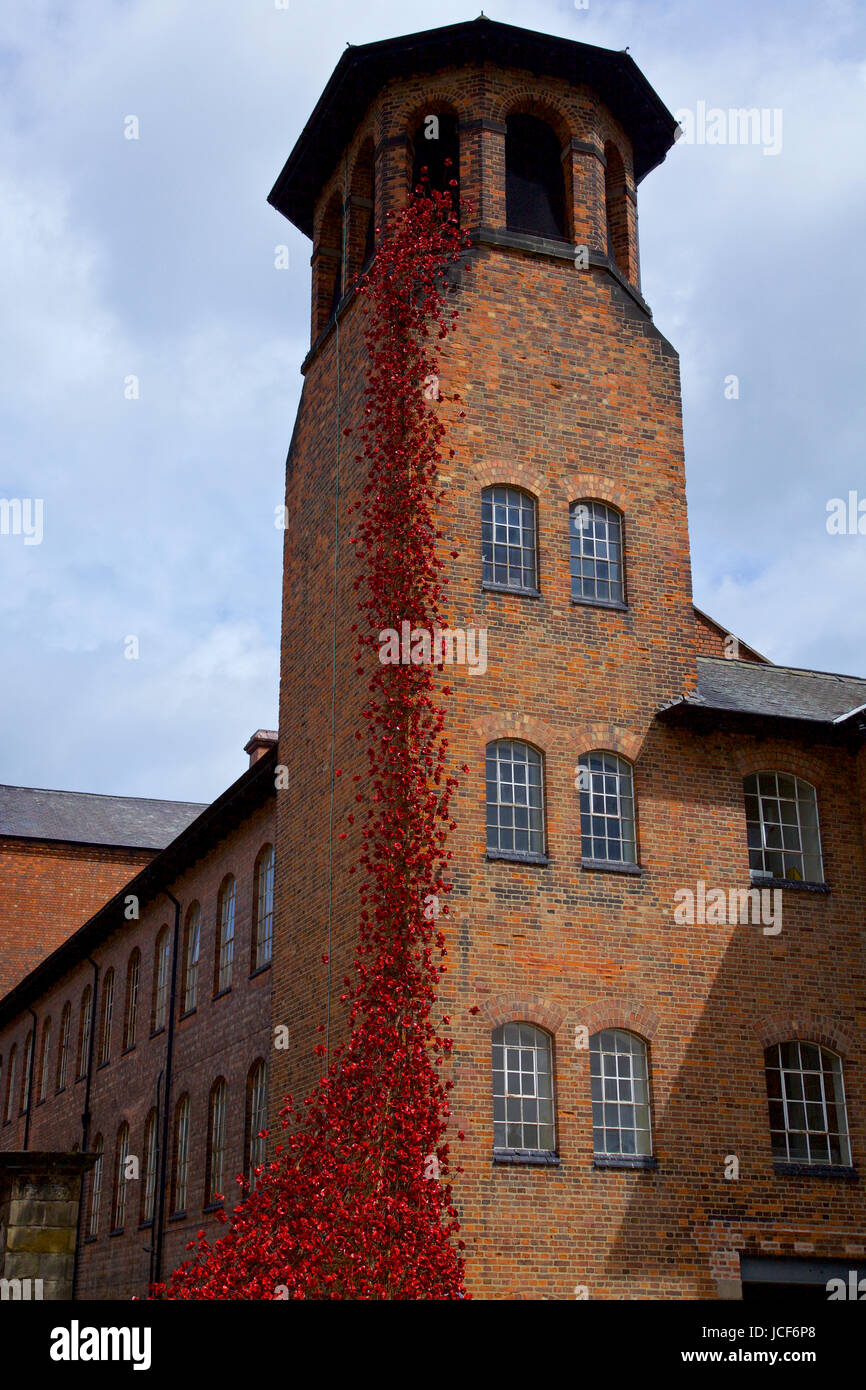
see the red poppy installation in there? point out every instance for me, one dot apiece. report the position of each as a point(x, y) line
point(357, 1203)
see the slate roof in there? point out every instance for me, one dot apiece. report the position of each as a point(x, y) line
point(84, 818)
point(364, 69)
point(785, 692)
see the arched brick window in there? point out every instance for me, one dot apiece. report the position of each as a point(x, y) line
point(436, 149)
point(85, 1022)
point(215, 1169)
point(225, 952)
point(121, 1154)
point(607, 820)
point(130, 1011)
point(11, 1079)
point(26, 1077)
point(597, 574)
point(256, 1119)
point(619, 1080)
point(95, 1188)
point(515, 798)
point(151, 1155)
point(362, 204)
point(161, 970)
point(330, 263)
point(191, 948)
point(509, 540)
point(180, 1167)
point(106, 1013)
point(784, 838)
point(63, 1047)
point(534, 181)
point(263, 907)
point(523, 1109)
point(44, 1060)
point(806, 1096)
point(615, 207)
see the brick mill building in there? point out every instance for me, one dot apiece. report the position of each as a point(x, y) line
point(656, 965)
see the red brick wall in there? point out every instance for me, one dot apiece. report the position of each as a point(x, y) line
point(47, 890)
point(223, 1037)
point(569, 392)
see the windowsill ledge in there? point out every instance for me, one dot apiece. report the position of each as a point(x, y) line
point(489, 588)
point(814, 1170)
point(516, 856)
point(641, 1163)
point(260, 969)
point(611, 866)
point(798, 885)
point(615, 604)
point(212, 1207)
point(178, 1216)
point(188, 1013)
point(221, 993)
point(529, 1158)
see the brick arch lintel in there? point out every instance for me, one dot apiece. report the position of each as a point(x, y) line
point(503, 1008)
point(512, 475)
point(615, 738)
point(765, 759)
point(593, 487)
point(537, 101)
point(405, 117)
point(516, 725)
point(805, 1026)
point(624, 1012)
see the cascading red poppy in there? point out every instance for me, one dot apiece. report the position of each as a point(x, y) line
point(357, 1203)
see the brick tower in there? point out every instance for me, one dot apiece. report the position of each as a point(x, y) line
point(591, 798)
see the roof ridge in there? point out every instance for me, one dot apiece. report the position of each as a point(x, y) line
point(796, 670)
point(103, 796)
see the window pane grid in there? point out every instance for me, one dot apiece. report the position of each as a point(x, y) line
point(596, 553)
point(620, 1094)
point(265, 908)
point(96, 1189)
point(63, 1055)
point(257, 1121)
point(508, 548)
point(217, 1142)
point(193, 942)
point(181, 1156)
point(607, 808)
point(107, 1010)
point(523, 1115)
point(150, 1167)
point(161, 993)
point(46, 1048)
point(227, 935)
point(132, 983)
point(782, 827)
point(120, 1178)
point(515, 798)
point(808, 1120)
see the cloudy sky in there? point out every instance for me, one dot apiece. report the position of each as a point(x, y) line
point(154, 259)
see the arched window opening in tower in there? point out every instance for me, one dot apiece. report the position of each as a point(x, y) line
point(534, 184)
point(436, 149)
point(615, 208)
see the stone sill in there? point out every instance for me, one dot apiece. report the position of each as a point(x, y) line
point(516, 856)
point(640, 1163)
point(799, 885)
point(814, 1170)
point(488, 587)
point(530, 1158)
point(611, 866)
point(614, 604)
point(260, 969)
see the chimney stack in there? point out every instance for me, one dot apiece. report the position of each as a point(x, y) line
point(258, 745)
